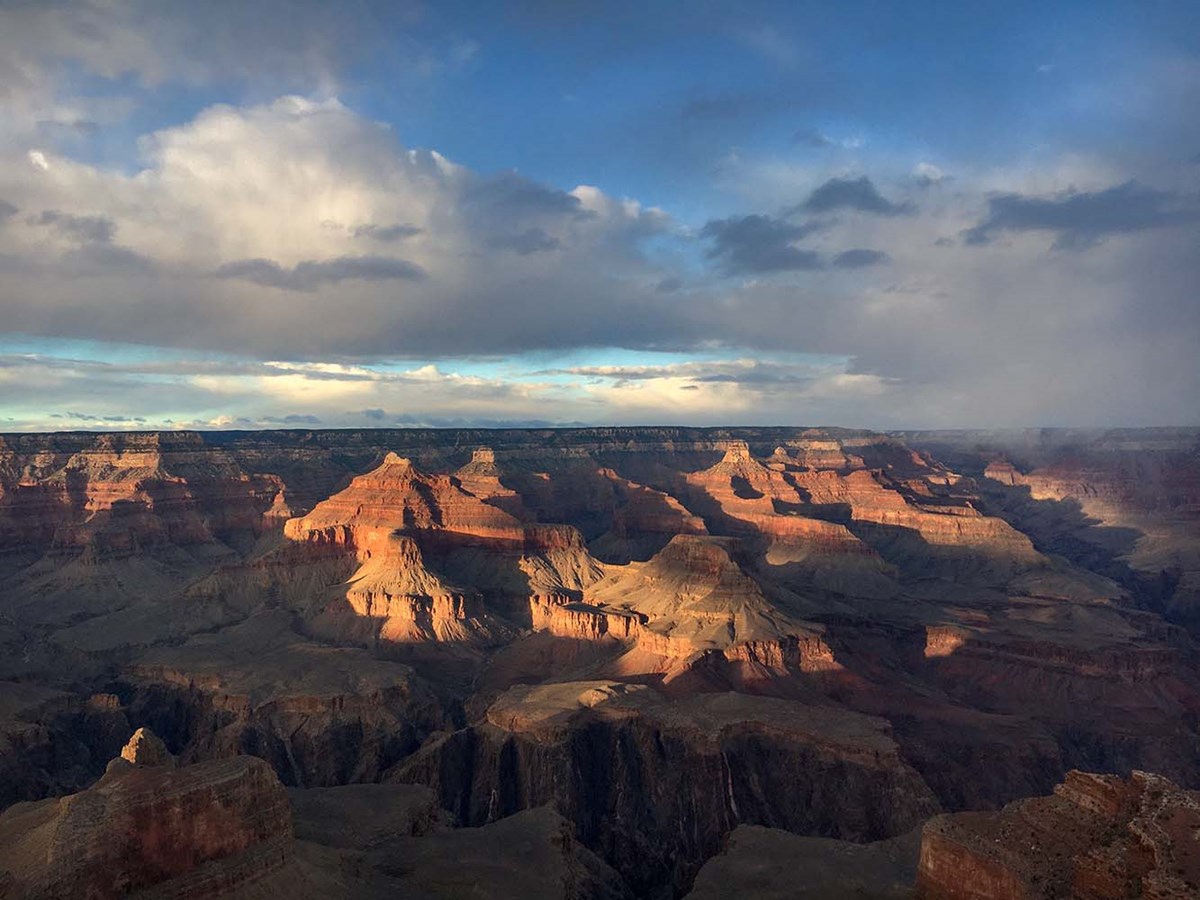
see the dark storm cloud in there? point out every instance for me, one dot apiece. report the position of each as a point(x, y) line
point(1080, 219)
point(669, 285)
point(7, 210)
point(749, 244)
point(859, 259)
point(532, 240)
point(95, 229)
point(386, 233)
point(852, 193)
point(312, 274)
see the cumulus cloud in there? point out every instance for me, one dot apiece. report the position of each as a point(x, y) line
point(213, 200)
point(858, 194)
point(1079, 219)
point(313, 252)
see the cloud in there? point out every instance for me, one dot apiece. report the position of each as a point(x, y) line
point(7, 210)
point(292, 419)
point(212, 199)
point(927, 175)
point(386, 233)
point(858, 194)
point(96, 229)
point(952, 336)
point(735, 371)
point(860, 259)
point(1080, 219)
point(532, 240)
point(312, 274)
point(758, 243)
point(509, 196)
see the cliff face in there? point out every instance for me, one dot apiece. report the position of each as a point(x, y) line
point(677, 776)
point(1097, 836)
point(320, 715)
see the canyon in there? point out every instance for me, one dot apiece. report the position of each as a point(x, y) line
point(658, 661)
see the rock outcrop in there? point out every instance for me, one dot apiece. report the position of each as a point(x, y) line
point(1097, 836)
point(676, 775)
point(769, 864)
point(396, 519)
point(193, 832)
point(319, 715)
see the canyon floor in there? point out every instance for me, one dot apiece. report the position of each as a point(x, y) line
point(631, 662)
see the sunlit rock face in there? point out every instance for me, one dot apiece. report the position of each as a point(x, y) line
point(826, 633)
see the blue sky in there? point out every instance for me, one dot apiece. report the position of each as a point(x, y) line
point(877, 214)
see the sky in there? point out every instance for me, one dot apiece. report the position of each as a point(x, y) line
point(301, 214)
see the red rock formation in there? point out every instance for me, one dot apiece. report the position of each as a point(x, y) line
point(124, 494)
point(1099, 837)
point(393, 517)
point(481, 478)
point(198, 831)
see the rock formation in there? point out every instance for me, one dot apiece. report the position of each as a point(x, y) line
point(197, 831)
point(677, 775)
point(622, 647)
point(1097, 836)
point(320, 715)
point(769, 864)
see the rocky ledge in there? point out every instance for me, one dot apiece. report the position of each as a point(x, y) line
point(1097, 837)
